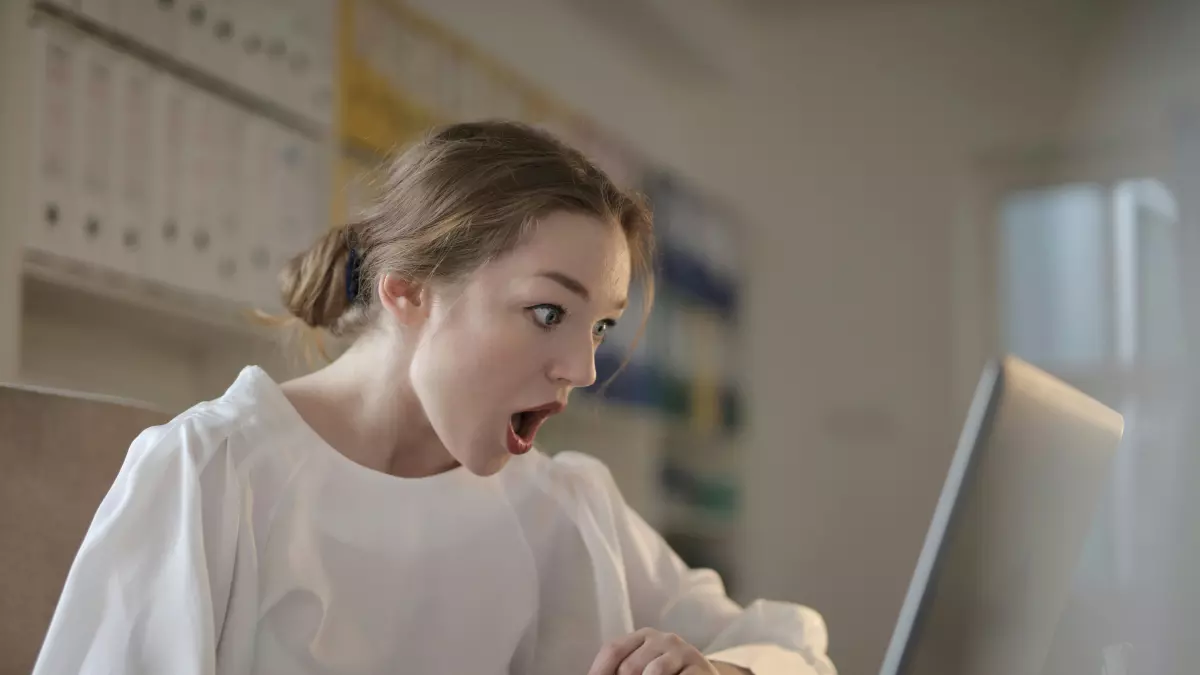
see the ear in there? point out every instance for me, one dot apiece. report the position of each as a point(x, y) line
point(408, 302)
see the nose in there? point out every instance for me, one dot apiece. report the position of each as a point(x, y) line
point(575, 366)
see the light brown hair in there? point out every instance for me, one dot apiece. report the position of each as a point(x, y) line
point(464, 195)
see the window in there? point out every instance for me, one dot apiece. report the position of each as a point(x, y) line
point(1090, 285)
point(1090, 290)
point(1057, 277)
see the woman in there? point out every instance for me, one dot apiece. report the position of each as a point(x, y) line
point(385, 514)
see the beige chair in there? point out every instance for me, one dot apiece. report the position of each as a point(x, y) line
point(60, 453)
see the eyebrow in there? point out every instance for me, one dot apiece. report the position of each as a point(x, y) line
point(574, 285)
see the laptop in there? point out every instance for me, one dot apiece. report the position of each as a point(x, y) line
point(1019, 501)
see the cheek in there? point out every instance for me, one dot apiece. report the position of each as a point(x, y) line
point(470, 363)
point(483, 344)
point(466, 376)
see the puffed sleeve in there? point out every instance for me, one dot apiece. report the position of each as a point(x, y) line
point(147, 591)
point(767, 637)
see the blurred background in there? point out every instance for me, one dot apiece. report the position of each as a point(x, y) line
point(858, 202)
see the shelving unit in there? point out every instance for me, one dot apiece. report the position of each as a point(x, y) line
point(159, 168)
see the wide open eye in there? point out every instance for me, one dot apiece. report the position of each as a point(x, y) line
point(601, 328)
point(548, 316)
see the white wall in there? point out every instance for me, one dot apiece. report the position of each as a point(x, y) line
point(848, 140)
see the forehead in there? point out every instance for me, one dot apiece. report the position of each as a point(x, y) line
point(592, 251)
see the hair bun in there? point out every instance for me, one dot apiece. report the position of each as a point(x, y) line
point(313, 284)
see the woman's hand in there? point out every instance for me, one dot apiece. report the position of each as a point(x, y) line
point(649, 652)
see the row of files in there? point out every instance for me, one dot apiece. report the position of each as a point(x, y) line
point(136, 171)
point(280, 50)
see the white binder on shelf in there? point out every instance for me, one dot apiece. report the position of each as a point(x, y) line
point(95, 129)
point(265, 254)
point(294, 65)
point(51, 224)
point(253, 27)
point(283, 48)
point(296, 221)
point(311, 192)
point(134, 158)
point(166, 244)
point(297, 62)
point(229, 265)
point(197, 213)
point(292, 230)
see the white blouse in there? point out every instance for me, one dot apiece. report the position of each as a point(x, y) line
point(236, 541)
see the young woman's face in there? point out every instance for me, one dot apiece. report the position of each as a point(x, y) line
point(502, 351)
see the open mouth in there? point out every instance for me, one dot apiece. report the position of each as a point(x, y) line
point(523, 426)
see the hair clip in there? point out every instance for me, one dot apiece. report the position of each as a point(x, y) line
point(352, 264)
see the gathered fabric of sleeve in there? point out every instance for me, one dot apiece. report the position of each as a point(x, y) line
point(767, 637)
point(148, 589)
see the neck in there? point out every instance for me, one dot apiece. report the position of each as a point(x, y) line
point(364, 406)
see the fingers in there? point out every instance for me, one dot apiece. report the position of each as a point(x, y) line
point(655, 648)
point(649, 652)
point(670, 663)
point(614, 653)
